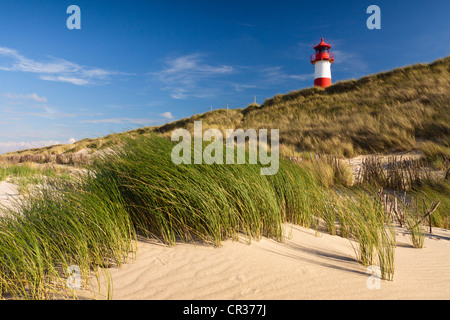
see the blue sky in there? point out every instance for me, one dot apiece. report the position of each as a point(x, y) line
point(140, 63)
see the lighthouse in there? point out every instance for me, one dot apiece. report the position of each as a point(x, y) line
point(322, 61)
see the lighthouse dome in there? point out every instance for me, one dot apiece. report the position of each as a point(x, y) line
point(322, 44)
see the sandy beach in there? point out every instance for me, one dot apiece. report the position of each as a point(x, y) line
point(307, 265)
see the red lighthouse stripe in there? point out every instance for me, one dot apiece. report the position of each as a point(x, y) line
point(322, 82)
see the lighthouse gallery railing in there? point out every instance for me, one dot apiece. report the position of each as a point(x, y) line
point(322, 56)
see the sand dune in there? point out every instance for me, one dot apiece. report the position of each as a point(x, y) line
point(305, 266)
point(8, 192)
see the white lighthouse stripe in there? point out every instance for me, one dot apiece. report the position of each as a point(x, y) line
point(322, 69)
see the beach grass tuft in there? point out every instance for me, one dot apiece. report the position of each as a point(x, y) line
point(93, 221)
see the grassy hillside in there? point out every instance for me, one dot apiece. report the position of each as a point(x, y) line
point(400, 110)
point(403, 109)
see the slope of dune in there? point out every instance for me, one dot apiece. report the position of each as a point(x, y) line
point(307, 265)
point(399, 110)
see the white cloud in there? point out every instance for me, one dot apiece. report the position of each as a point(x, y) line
point(241, 87)
point(14, 105)
point(46, 113)
point(167, 115)
point(20, 63)
point(20, 145)
point(138, 121)
point(56, 69)
point(193, 65)
point(118, 121)
point(268, 77)
point(348, 63)
point(277, 74)
point(189, 76)
point(76, 81)
point(32, 96)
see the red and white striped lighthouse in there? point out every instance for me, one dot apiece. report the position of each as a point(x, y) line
point(322, 61)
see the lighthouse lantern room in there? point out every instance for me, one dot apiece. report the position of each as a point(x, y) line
point(322, 61)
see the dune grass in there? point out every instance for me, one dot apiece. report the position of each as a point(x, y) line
point(93, 222)
point(359, 215)
point(427, 193)
point(206, 202)
point(58, 226)
point(415, 231)
point(27, 175)
point(420, 184)
point(25, 171)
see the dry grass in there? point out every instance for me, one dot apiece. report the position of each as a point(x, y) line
point(73, 159)
point(328, 170)
point(390, 111)
point(400, 110)
point(396, 173)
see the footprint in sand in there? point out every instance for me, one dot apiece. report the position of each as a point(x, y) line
point(239, 278)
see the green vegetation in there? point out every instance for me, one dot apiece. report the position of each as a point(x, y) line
point(59, 226)
point(360, 216)
point(18, 171)
point(329, 171)
point(419, 184)
point(27, 175)
point(204, 202)
point(415, 231)
point(93, 220)
point(424, 196)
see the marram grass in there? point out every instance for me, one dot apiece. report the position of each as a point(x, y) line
point(92, 222)
point(206, 202)
point(361, 218)
point(56, 227)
